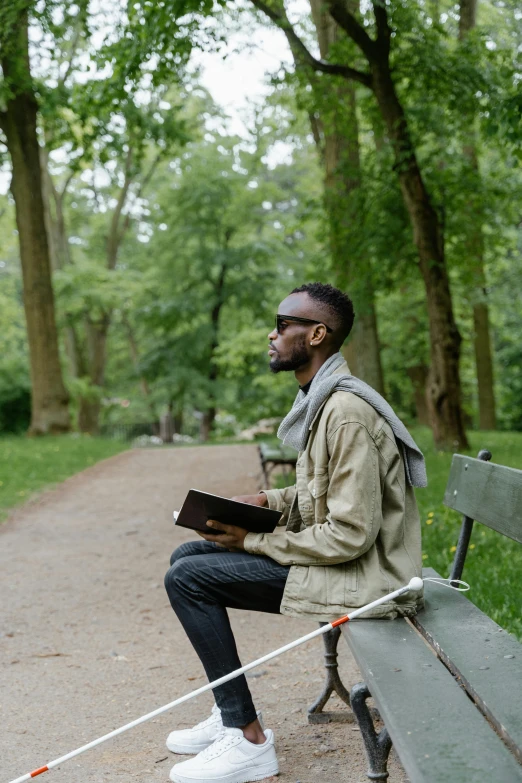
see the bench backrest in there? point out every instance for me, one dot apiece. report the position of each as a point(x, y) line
point(487, 493)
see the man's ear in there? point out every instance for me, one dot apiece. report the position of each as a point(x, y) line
point(319, 334)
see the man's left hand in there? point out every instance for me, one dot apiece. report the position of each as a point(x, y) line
point(232, 537)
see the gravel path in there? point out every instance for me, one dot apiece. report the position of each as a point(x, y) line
point(88, 640)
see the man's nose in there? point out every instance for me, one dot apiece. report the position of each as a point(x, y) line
point(273, 334)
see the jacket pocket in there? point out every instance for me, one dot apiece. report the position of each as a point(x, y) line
point(318, 486)
point(294, 583)
point(341, 583)
point(318, 492)
point(351, 580)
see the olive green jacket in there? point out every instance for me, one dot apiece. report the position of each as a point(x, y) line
point(350, 527)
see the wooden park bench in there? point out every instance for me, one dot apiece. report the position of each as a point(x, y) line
point(272, 455)
point(448, 683)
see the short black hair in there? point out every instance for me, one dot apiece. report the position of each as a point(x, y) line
point(335, 300)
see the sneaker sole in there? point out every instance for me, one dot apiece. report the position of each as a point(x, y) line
point(188, 750)
point(265, 771)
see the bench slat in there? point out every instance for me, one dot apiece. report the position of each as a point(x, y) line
point(486, 659)
point(488, 493)
point(438, 733)
point(270, 452)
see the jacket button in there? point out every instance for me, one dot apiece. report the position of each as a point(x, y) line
point(313, 492)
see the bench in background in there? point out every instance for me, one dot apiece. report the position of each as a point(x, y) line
point(448, 683)
point(272, 455)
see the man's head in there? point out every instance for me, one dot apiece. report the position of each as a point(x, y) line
point(319, 319)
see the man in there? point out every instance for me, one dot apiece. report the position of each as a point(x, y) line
point(349, 532)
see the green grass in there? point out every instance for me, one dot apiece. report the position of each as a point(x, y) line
point(28, 465)
point(494, 563)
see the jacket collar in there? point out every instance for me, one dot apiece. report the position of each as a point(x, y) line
point(343, 369)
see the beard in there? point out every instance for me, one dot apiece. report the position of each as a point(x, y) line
point(298, 358)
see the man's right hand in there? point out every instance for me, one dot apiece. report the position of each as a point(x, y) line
point(253, 500)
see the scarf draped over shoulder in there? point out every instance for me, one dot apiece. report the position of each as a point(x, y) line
point(295, 427)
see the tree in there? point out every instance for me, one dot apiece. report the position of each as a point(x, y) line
point(475, 219)
point(444, 387)
point(119, 145)
point(227, 240)
point(335, 129)
point(18, 121)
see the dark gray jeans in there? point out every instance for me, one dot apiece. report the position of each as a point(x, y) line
point(204, 579)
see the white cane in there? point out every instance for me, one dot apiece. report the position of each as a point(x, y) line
point(414, 585)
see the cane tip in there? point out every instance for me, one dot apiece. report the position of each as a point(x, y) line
point(416, 584)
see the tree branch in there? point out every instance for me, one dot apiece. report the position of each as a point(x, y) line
point(72, 54)
point(302, 54)
point(146, 179)
point(60, 196)
point(317, 133)
point(115, 234)
point(142, 185)
point(352, 28)
point(381, 20)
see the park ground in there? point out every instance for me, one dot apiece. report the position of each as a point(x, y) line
point(88, 640)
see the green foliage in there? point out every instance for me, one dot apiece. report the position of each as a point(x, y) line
point(226, 235)
point(29, 465)
point(494, 563)
point(15, 398)
point(118, 109)
point(506, 294)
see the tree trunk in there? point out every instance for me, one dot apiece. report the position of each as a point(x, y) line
point(418, 376)
point(97, 332)
point(467, 17)
point(50, 225)
point(475, 247)
point(88, 415)
point(484, 363)
point(444, 390)
point(166, 427)
point(209, 415)
point(367, 347)
point(363, 351)
point(133, 345)
point(50, 411)
point(88, 418)
point(60, 255)
point(337, 133)
point(206, 424)
point(178, 421)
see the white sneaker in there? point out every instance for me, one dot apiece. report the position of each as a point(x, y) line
point(230, 759)
point(199, 737)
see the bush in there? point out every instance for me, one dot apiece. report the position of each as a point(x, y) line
point(15, 410)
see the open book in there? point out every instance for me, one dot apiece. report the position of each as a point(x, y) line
point(199, 507)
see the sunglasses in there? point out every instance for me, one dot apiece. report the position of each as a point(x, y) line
point(282, 319)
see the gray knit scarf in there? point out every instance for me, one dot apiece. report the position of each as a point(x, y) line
point(295, 427)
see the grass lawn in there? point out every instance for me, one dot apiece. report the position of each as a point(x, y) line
point(494, 563)
point(28, 465)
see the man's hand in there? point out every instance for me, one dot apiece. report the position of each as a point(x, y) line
point(232, 537)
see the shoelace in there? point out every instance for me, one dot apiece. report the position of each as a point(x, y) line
point(222, 742)
point(208, 721)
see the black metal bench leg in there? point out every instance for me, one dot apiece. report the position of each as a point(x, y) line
point(377, 746)
point(333, 684)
